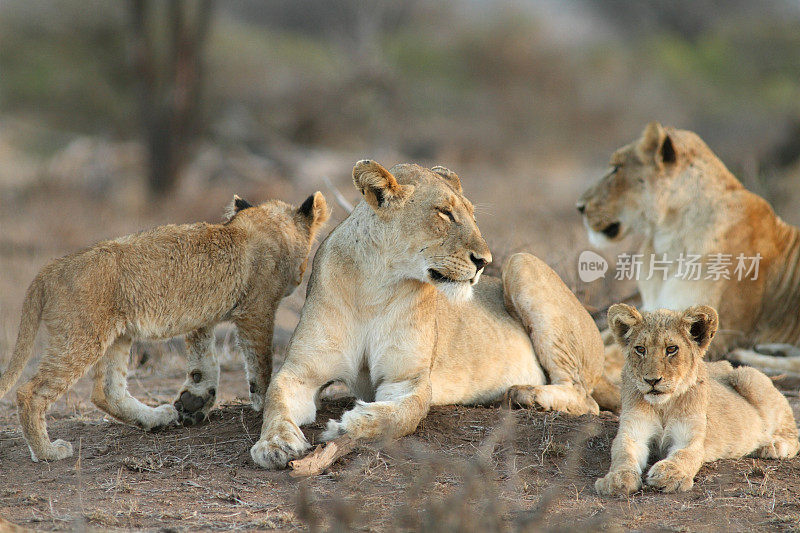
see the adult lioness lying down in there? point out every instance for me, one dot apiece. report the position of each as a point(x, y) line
point(670, 188)
point(389, 312)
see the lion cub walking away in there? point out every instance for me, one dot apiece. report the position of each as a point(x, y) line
point(689, 410)
point(158, 284)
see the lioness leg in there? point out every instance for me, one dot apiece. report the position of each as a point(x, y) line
point(290, 403)
point(66, 361)
point(396, 411)
point(199, 392)
point(765, 362)
point(565, 339)
point(110, 392)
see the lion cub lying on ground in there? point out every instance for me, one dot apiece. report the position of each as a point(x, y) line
point(157, 284)
point(692, 411)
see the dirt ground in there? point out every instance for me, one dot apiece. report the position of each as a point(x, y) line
point(464, 469)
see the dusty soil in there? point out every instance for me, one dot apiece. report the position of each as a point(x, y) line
point(465, 468)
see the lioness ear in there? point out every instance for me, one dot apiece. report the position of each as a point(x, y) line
point(378, 186)
point(621, 318)
point(656, 145)
point(449, 176)
point(702, 322)
point(314, 212)
point(236, 205)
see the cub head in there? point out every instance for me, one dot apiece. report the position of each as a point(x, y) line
point(283, 231)
point(424, 225)
point(663, 349)
point(615, 204)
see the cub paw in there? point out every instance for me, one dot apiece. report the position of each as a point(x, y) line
point(192, 408)
point(257, 401)
point(669, 477)
point(779, 449)
point(58, 449)
point(163, 416)
point(618, 483)
point(274, 451)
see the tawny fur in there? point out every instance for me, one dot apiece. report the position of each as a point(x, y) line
point(690, 411)
point(389, 313)
point(168, 281)
point(669, 188)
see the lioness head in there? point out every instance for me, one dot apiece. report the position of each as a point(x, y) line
point(614, 205)
point(425, 224)
point(282, 230)
point(663, 349)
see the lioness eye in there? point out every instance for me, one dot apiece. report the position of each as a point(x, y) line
point(639, 349)
point(672, 349)
point(444, 212)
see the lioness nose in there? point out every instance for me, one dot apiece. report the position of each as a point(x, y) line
point(652, 382)
point(581, 207)
point(480, 262)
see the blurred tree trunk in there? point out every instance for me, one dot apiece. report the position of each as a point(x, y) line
point(167, 57)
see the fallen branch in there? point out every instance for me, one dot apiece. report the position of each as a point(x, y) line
point(322, 457)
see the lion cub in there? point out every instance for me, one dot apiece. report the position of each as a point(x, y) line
point(168, 281)
point(688, 410)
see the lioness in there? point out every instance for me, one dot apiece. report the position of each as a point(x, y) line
point(388, 311)
point(157, 284)
point(690, 411)
point(670, 188)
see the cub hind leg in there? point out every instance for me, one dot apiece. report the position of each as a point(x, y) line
point(774, 408)
point(199, 392)
point(67, 359)
point(110, 392)
point(565, 339)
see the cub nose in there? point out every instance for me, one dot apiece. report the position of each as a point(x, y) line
point(480, 262)
point(581, 207)
point(652, 382)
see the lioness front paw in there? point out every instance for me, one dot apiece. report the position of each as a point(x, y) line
point(274, 451)
point(618, 483)
point(163, 416)
point(669, 477)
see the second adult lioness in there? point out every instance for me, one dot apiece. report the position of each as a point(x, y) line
point(390, 311)
point(705, 240)
point(688, 410)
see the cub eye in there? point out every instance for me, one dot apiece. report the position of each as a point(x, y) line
point(672, 350)
point(447, 214)
point(639, 349)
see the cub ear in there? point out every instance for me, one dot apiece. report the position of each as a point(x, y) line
point(621, 318)
point(702, 322)
point(378, 186)
point(449, 176)
point(314, 212)
point(236, 205)
point(657, 145)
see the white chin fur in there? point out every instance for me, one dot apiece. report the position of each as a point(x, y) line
point(656, 399)
point(456, 292)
